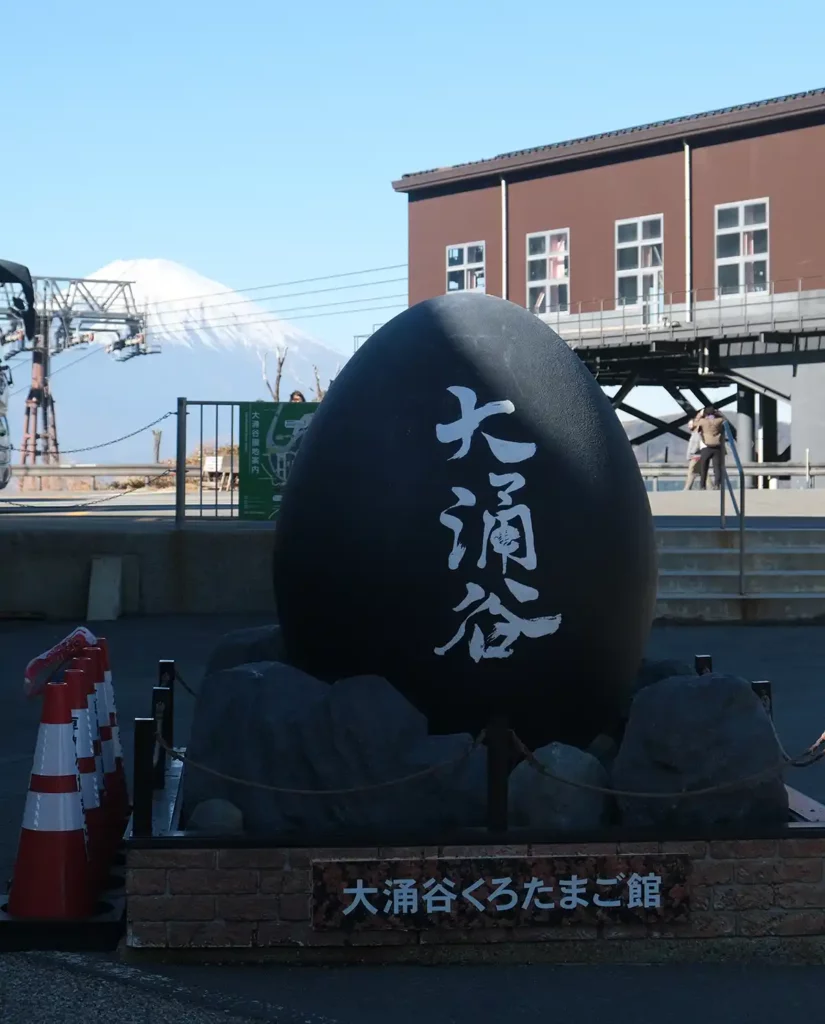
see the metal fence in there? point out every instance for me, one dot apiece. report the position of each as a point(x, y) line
point(206, 482)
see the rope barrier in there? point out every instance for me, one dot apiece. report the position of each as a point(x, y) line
point(370, 787)
point(810, 756)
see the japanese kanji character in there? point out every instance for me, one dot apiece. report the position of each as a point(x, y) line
point(502, 890)
point(506, 538)
point(466, 499)
point(469, 421)
point(403, 896)
point(438, 893)
point(360, 892)
point(644, 890)
point(573, 889)
point(508, 630)
point(510, 482)
point(467, 894)
point(598, 901)
point(531, 889)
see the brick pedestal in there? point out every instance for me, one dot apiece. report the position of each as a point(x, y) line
point(748, 899)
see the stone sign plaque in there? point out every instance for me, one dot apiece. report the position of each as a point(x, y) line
point(490, 893)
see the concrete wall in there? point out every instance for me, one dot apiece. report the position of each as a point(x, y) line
point(198, 570)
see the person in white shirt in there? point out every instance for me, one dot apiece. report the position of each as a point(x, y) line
point(694, 450)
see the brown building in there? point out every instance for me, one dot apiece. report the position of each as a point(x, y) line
point(719, 203)
point(710, 219)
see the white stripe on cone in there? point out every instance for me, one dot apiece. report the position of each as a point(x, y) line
point(103, 722)
point(117, 746)
point(89, 787)
point(53, 812)
point(55, 750)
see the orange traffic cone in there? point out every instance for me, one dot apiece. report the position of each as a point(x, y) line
point(90, 795)
point(86, 666)
point(51, 874)
point(114, 813)
point(121, 795)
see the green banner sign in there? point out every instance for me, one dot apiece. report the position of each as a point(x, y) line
point(270, 436)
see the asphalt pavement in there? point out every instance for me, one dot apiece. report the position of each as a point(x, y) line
point(84, 989)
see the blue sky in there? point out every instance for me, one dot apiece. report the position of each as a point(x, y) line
point(256, 141)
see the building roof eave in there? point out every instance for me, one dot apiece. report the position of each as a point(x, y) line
point(764, 114)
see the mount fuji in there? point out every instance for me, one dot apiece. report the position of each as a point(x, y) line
point(212, 343)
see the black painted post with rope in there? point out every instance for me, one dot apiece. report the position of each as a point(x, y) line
point(764, 691)
point(160, 712)
point(143, 771)
point(498, 773)
point(166, 678)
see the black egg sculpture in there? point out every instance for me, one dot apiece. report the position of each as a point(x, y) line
point(466, 518)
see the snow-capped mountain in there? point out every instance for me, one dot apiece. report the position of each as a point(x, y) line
point(211, 341)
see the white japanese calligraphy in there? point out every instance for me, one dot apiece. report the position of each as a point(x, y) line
point(644, 890)
point(466, 499)
point(508, 630)
point(573, 890)
point(403, 896)
point(468, 423)
point(437, 896)
point(360, 892)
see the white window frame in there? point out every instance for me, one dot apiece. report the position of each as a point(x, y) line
point(547, 282)
point(653, 311)
point(467, 268)
point(741, 260)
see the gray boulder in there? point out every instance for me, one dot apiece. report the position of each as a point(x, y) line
point(216, 818)
point(540, 802)
point(604, 749)
point(654, 670)
point(692, 732)
point(273, 724)
point(247, 647)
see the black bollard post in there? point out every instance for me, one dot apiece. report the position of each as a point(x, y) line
point(142, 785)
point(166, 677)
point(160, 712)
point(498, 773)
point(764, 691)
point(703, 663)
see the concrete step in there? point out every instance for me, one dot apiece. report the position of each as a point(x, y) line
point(687, 583)
point(727, 559)
point(733, 608)
point(704, 538)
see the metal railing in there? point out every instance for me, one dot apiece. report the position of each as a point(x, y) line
point(739, 508)
point(791, 304)
point(226, 437)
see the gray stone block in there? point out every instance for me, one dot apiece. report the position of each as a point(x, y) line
point(692, 732)
point(541, 802)
point(246, 647)
point(273, 724)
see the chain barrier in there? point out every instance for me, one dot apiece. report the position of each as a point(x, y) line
point(59, 509)
point(117, 440)
point(814, 753)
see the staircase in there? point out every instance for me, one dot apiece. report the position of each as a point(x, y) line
point(699, 581)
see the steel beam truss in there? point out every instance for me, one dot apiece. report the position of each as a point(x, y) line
point(69, 312)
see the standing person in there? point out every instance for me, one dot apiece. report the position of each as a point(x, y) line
point(694, 452)
point(297, 396)
point(711, 427)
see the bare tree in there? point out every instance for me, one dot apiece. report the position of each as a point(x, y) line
point(319, 391)
point(274, 390)
point(156, 436)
